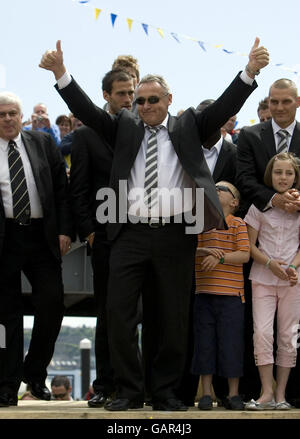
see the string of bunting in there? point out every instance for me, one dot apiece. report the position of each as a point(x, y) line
point(204, 45)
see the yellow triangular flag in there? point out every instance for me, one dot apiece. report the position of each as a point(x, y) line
point(97, 12)
point(161, 32)
point(252, 121)
point(129, 21)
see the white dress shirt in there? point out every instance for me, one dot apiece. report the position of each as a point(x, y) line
point(5, 186)
point(211, 155)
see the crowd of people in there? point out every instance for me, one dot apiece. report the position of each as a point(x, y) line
point(207, 299)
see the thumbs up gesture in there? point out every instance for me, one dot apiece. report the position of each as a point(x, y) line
point(258, 58)
point(53, 60)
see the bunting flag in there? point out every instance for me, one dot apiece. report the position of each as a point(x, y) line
point(204, 45)
point(129, 22)
point(97, 12)
point(145, 27)
point(161, 32)
point(113, 19)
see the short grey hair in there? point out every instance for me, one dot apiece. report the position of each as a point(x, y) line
point(155, 78)
point(8, 98)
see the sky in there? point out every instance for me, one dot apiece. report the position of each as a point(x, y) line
point(30, 27)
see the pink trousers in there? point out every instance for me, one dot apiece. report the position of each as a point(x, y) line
point(266, 299)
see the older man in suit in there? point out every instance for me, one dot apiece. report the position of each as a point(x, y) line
point(256, 146)
point(151, 153)
point(35, 230)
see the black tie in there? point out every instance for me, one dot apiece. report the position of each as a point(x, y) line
point(20, 196)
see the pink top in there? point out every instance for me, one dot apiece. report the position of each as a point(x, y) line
point(278, 237)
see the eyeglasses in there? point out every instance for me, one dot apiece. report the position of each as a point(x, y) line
point(151, 99)
point(9, 113)
point(224, 189)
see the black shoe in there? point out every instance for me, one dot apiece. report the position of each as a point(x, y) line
point(234, 403)
point(171, 404)
point(122, 404)
point(98, 400)
point(205, 403)
point(39, 390)
point(8, 399)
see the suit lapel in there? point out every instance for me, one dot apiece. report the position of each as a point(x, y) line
point(220, 163)
point(295, 142)
point(173, 129)
point(33, 156)
point(267, 138)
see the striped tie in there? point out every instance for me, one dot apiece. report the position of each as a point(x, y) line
point(151, 176)
point(20, 196)
point(282, 145)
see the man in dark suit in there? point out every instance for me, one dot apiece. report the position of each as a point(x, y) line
point(155, 151)
point(256, 146)
point(90, 171)
point(35, 230)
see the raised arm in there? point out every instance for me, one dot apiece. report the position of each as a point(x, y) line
point(231, 101)
point(76, 99)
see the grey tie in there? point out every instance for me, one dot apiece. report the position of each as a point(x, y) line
point(151, 175)
point(282, 145)
point(20, 196)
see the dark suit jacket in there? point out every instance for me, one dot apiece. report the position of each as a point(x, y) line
point(50, 177)
point(225, 168)
point(125, 132)
point(91, 159)
point(256, 146)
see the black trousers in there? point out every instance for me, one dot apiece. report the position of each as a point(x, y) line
point(100, 252)
point(25, 249)
point(169, 254)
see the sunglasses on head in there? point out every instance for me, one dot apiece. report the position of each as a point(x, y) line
point(151, 99)
point(224, 189)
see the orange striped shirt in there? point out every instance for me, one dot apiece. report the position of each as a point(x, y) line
point(225, 279)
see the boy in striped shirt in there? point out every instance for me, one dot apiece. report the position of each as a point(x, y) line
point(219, 302)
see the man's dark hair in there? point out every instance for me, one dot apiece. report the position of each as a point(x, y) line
point(263, 104)
point(60, 380)
point(114, 75)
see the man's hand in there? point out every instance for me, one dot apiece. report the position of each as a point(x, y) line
point(64, 244)
point(288, 201)
point(258, 58)
point(53, 60)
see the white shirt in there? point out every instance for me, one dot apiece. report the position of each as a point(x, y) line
point(211, 155)
point(5, 186)
point(171, 176)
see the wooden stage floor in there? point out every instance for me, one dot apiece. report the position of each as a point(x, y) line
point(34, 409)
